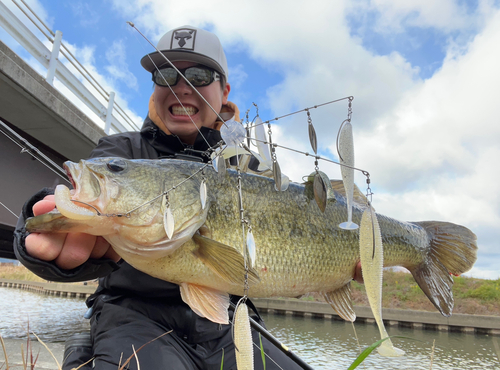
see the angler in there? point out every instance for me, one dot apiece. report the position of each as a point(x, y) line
point(129, 306)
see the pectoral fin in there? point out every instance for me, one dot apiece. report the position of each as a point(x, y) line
point(206, 302)
point(341, 302)
point(223, 260)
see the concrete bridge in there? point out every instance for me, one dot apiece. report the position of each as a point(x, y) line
point(32, 109)
point(42, 115)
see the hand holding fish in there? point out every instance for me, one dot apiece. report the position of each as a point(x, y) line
point(66, 250)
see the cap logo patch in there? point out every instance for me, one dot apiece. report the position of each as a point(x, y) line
point(183, 39)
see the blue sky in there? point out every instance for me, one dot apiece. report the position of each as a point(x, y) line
point(424, 78)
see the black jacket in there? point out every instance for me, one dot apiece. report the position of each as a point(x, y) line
point(127, 301)
point(121, 278)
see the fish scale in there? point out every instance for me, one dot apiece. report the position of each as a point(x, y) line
point(300, 249)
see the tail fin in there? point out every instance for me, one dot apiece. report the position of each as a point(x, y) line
point(453, 250)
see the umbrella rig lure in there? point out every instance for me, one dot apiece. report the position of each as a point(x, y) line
point(237, 140)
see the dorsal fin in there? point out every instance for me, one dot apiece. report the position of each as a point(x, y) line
point(359, 198)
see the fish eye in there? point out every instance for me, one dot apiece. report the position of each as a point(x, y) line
point(117, 165)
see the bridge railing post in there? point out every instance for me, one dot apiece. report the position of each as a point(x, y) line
point(109, 112)
point(54, 57)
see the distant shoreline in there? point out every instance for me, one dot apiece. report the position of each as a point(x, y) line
point(472, 324)
point(70, 290)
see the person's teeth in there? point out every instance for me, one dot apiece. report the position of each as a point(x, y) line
point(177, 110)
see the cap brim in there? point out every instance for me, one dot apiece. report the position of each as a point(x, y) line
point(153, 60)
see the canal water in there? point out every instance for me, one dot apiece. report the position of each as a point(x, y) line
point(324, 344)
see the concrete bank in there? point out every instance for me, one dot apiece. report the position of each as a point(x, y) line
point(474, 324)
point(72, 290)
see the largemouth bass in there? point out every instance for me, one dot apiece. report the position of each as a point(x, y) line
point(300, 249)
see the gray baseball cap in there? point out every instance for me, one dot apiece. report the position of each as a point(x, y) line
point(189, 44)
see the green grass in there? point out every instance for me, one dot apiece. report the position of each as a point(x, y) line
point(485, 290)
point(472, 296)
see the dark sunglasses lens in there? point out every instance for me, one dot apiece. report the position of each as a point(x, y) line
point(199, 76)
point(165, 77)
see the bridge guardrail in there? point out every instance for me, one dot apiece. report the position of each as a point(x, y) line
point(55, 68)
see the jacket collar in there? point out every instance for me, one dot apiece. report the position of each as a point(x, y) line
point(169, 145)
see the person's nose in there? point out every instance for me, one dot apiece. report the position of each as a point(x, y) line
point(182, 87)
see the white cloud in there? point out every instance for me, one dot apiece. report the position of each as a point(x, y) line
point(444, 129)
point(237, 75)
point(435, 155)
point(118, 68)
point(483, 273)
point(89, 17)
point(430, 145)
point(396, 16)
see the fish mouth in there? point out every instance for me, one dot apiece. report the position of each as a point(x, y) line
point(70, 176)
point(81, 196)
point(68, 167)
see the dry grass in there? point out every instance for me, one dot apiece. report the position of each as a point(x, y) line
point(8, 271)
point(28, 357)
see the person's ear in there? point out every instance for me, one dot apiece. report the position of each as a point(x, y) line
point(225, 93)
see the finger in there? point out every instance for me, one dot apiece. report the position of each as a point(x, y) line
point(43, 206)
point(76, 250)
point(45, 247)
point(101, 247)
point(111, 254)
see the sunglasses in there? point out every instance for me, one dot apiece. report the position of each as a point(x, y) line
point(198, 76)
